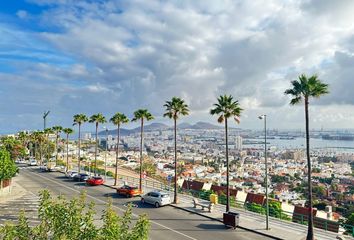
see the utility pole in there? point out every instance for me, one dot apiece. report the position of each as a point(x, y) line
point(45, 118)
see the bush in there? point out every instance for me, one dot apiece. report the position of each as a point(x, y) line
point(8, 168)
point(63, 219)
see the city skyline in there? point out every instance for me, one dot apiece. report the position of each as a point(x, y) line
point(87, 57)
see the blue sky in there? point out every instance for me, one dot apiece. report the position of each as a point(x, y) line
point(77, 56)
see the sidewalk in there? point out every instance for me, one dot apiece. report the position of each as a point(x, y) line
point(15, 191)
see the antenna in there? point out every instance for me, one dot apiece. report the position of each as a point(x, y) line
point(44, 118)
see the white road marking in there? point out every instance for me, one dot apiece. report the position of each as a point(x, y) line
point(121, 209)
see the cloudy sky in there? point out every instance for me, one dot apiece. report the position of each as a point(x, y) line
point(76, 56)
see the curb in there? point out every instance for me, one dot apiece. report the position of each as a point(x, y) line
point(216, 219)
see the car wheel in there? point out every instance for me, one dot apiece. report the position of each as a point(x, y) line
point(157, 204)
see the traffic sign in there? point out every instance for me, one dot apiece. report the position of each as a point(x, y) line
point(169, 178)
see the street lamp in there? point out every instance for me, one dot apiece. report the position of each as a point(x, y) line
point(105, 155)
point(264, 117)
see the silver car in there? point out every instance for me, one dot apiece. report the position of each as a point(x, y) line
point(156, 198)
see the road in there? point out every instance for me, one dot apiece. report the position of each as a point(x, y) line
point(166, 222)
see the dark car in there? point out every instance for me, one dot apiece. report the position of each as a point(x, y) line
point(82, 177)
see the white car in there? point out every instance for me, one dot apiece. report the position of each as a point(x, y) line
point(156, 198)
point(71, 174)
point(32, 162)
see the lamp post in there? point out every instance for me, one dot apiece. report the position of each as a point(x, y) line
point(45, 119)
point(105, 155)
point(264, 117)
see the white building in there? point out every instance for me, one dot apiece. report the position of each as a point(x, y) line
point(238, 143)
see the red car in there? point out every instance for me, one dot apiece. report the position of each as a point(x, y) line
point(94, 181)
point(129, 191)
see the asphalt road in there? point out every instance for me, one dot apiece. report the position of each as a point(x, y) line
point(166, 222)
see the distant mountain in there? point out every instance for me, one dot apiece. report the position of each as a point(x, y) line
point(161, 126)
point(125, 132)
point(205, 125)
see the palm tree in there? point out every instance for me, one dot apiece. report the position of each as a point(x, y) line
point(141, 114)
point(38, 138)
point(226, 108)
point(79, 119)
point(57, 130)
point(97, 118)
point(174, 109)
point(67, 131)
point(303, 89)
point(48, 131)
point(118, 119)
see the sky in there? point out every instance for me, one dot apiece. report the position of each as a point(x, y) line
point(76, 56)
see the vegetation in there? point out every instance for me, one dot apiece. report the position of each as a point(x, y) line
point(79, 119)
point(118, 119)
point(174, 109)
point(67, 131)
point(226, 108)
point(8, 167)
point(97, 119)
point(303, 89)
point(14, 146)
point(141, 114)
point(60, 218)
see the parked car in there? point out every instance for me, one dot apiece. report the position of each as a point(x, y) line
point(156, 198)
point(95, 181)
point(71, 174)
point(129, 191)
point(32, 162)
point(81, 177)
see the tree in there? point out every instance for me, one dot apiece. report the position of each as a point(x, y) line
point(57, 130)
point(174, 109)
point(302, 90)
point(79, 119)
point(8, 167)
point(97, 118)
point(141, 114)
point(226, 108)
point(38, 139)
point(73, 219)
point(14, 147)
point(48, 131)
point(118, 119)
point(67, 131)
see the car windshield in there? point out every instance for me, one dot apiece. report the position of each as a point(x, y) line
point(97, 178)
point(133, 188)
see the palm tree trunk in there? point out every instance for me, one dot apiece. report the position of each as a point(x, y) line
point(175, 194)
point(227, 170)
point(94, 170)
point(67, 152)
point(56, 149)
point(79, 158)
point(117, 156)
point(310, 235)
point(141, 153)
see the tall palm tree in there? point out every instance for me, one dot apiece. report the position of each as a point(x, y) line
point(67, 131)
point(48, 131)
point(141, 114)
point(303, 89)
point(118, 119)
point(174, 109)
point(79, 119)
point(38, 138)
point(57, 130)
point(97, 118)
point(226, 108)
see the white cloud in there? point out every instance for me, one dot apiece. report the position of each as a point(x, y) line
point(139, 53)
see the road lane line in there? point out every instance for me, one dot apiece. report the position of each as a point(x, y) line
point(121, 209)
